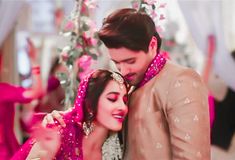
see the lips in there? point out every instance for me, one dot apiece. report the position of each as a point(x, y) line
point(129, 77)
point(119, 116)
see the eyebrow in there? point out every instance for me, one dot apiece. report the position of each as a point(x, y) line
point(116, 93)
point(125, 60)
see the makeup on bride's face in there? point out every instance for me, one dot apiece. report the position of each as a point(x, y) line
point(112, 107)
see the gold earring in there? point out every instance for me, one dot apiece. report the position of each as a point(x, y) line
point(88, 128)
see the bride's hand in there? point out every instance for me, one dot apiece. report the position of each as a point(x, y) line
point(50, 118)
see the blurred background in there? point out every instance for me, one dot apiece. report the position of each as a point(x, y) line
point(199, 34)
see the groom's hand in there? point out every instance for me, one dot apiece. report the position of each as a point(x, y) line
point(50, 118)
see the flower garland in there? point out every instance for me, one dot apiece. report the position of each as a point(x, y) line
point(82, 49)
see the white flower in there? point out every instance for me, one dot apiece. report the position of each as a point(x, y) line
point(151, 2)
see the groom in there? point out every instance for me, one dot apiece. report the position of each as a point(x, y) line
point(168, 110)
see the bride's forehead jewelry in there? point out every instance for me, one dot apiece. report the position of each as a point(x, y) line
point(118, 79)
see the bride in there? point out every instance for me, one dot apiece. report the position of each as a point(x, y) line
point(100, 108)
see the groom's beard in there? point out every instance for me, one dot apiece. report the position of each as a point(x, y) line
point(133, 78)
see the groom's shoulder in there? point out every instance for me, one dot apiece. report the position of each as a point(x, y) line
point(177, 72)
point(173, 69)
point(173, 72)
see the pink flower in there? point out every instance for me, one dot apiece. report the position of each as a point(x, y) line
point(78, 46)
point(162, 17)
point(69, 25)
point(153, 14)
point(64, 56)
point(84, 9)
point(162, 5)
point(135, 5)
point(85, 39)
point(84, 62)
point(91, 4)
point(88, 40)
point(92, 41)
point(150, 2)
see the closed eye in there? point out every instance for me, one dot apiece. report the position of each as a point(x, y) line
point(128, 61)
point(112, 99)
point(131, 61)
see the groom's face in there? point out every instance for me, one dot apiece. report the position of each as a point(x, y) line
point(131, 64)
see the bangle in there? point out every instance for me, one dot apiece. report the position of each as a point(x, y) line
point(36, 70)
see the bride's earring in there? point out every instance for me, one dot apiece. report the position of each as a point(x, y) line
point(88, 128)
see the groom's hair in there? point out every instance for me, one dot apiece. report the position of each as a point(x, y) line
point(129, 28)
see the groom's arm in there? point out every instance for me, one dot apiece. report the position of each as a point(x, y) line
point(188, 117)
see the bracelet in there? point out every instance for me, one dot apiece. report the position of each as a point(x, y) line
point(36, 70)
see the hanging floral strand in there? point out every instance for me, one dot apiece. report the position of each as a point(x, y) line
point(82, 49)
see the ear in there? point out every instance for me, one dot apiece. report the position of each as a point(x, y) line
point(153, 45)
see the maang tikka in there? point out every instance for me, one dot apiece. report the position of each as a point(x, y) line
point(118, 79)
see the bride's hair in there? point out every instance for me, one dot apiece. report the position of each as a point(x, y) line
point(96, 85)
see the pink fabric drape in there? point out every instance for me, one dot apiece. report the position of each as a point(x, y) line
point(211, 109)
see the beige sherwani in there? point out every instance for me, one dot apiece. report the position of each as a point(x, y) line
point(168, 117)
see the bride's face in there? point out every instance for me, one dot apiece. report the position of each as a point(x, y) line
point(112, 107)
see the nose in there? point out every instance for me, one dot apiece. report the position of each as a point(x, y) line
point(123, 107)
point(123, 69)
